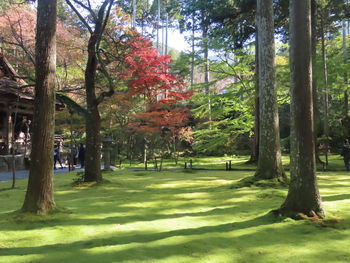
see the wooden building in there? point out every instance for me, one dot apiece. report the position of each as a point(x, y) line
point(16, 111)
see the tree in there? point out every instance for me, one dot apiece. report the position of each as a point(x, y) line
point(269, 163)
point(39, 196)
point(17, 38)
point(92, 115)
point(303, 195)
point(148, 74)
point(232, 106)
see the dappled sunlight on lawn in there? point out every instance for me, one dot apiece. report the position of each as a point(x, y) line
point(173, 217)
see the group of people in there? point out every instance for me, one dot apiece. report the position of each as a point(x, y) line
point(75, 154)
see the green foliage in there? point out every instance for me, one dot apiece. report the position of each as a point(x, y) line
point(231, 99)
point(78, 179)
point(337, 87)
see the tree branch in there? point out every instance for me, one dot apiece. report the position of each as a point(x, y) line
point(71, 104)
point(104, 70)
point(82, 19)
point(88, 8)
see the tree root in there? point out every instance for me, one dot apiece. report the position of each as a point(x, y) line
point(311, 216)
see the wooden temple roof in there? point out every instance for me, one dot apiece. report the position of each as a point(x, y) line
point(11, 85)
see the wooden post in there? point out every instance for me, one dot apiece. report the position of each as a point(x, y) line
point(230, 165)
point(9, 131)
point(191, 164)
point(155, 164)
point(226, 166)
point(185, 165)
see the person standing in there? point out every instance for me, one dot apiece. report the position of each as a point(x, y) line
point(81, 155)
point(345, 152)
point(56, 155)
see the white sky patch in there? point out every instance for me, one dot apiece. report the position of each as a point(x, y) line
point(177, 41)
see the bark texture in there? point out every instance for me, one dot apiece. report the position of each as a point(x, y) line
point(345, 57)
point(303, 195)
point(92, 116)
point(314, 79)
point(269, 163)
point(205, 29)
point(254, 157)
point(39, 196)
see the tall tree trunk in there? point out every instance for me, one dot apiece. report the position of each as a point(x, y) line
point(133, 14)
point(269, 164)
point(303, 195)
point(314, 79)
point(345, 57)
point(192, 57)
point(325, 98)
point(166, 33)
point(158, 25)
point(39, 196)
point(254, 157)
point(92, 118)
point(205, 30)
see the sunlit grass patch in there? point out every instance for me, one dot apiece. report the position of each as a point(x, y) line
point(172, 216)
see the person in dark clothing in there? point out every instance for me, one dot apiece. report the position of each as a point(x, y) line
point(81, 155)
point(56, 156)
point(74, 154)
point(345, 152)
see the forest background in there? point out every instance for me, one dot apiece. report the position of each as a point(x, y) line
point(210, 108)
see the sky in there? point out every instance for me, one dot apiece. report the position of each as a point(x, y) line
point(177, 40)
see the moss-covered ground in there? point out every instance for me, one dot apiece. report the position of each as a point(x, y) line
point(174, 216)
point(219, 163)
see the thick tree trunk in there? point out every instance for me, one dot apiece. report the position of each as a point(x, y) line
point(269, 164)
point(39, 196)
point(92, 119)
point(303, 195)
point(92, 116)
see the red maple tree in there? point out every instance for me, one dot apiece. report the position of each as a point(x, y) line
point(147, 73)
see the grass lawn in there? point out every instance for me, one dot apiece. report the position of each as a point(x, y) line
point(219, 163)
point(174, 216)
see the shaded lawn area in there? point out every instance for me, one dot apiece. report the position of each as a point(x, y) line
point(219, 163)
point(176, 217)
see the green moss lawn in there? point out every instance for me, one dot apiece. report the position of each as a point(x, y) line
point(174, 216)
point(219, 163)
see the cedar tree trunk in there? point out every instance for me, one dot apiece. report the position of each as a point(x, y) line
point(303, 195)
point(254, 157)
point(39, 196)
point(269, 164)
point(314, 79)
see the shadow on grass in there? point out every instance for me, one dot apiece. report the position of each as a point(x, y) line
point(195, 243)
point(336, 197)
point(171, 217)
point(145, 237)
point(7, 189)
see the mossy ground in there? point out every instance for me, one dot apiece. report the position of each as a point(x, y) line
point(219, 163)
point(174, 216)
